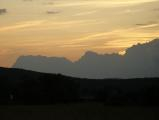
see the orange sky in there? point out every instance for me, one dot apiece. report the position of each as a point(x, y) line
point(70, 27)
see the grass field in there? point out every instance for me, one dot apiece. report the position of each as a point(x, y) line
point(78, 111)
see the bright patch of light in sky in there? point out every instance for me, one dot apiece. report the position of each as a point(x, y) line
point(70, 27)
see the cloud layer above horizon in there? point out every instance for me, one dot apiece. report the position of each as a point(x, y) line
point(70, 27)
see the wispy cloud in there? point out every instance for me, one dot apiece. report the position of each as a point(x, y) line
point(22, 25)
point(40, 25)
point(52, 12)
point(63, 25)
point(148, 25)
point(85, 13)
point(119, 38)
point(27, 0)
point(100, 3)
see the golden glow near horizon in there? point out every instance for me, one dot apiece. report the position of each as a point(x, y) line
point(70, 27)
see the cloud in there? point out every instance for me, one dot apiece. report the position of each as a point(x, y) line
point(93, 65)
point(3, 11)
point(39, 25)
point(22, 25)
point(49, 3)
point(85, 13)
point(61, 25)
point(118, 38)
point(52, 12)
point(148, 25)
point(101, 3)
point(27, 0)
point(156, 9)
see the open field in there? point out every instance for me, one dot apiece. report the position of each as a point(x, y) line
point(78, 111)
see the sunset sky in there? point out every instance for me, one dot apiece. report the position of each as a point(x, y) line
point(68, 28)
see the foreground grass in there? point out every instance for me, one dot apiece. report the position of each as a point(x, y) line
point(78, 111)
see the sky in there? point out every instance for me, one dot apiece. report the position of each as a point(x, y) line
point(69, 28)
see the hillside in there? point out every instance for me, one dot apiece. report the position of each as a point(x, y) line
point(27, 87)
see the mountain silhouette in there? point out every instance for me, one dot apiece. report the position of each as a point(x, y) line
point(139, 61)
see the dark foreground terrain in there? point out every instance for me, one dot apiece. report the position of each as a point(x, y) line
point(78, 111)
point(28, 95)
point(22, 87)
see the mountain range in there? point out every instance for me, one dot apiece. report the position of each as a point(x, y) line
point(139, 61)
